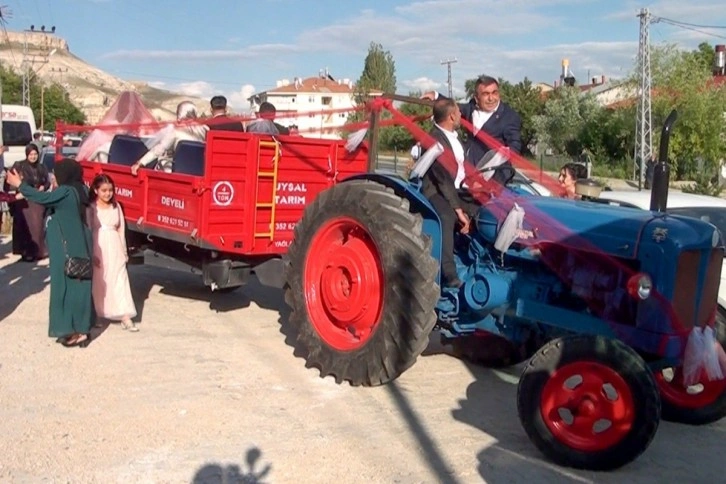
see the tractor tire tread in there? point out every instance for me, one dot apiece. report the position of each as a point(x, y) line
point(618, 356)
point(408, 314)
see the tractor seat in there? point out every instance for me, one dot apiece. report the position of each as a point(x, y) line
point(189, 158)
point(126, 150)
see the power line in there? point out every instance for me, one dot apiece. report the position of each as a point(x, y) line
point(684, 26)
point(655, 19)
point(50, 12)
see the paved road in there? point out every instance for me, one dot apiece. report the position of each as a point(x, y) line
point(208, 391)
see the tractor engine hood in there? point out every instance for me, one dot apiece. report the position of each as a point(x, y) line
point(613, 230)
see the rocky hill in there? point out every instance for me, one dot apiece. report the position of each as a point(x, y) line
point(91, 89)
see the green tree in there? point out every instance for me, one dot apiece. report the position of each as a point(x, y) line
point(379, 74)
point(398, 137)
point(570, 122)
point(705, 54)
point(683, 81)
point(57, 106)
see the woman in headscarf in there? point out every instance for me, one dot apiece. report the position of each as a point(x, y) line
point(28, 216)
point(71, 307)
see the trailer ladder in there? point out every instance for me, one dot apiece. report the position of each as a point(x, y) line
point(275, 145)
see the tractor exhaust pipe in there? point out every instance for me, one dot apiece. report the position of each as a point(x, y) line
point(661, 171)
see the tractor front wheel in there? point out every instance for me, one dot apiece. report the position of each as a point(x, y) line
point(360, 284)
point(588, 402)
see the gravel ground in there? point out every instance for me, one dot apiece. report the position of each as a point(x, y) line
point(208, 391)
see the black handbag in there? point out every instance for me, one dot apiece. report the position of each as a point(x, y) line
point(77, 267)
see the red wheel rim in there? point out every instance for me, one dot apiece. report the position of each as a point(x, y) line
point(587, 406)
point(672, 389)
point(343, 284)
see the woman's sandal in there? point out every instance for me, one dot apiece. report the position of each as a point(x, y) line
point(80, 339)
point(129, 325)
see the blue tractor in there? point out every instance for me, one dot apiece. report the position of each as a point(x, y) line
point(600, 300)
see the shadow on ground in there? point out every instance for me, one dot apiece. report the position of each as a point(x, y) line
point(490, 406)
point(190, 286)
point(19, 280)
point(253, 471)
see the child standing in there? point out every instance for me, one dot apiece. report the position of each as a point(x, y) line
point(111, 289)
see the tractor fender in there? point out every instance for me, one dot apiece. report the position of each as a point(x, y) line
point(418, 204)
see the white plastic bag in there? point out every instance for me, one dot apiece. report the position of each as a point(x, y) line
point(721, 355)
point(710, 355)
point(693, 357)
point(425, 161)
point(490, 166)
point(510, 229)
point(355, 139)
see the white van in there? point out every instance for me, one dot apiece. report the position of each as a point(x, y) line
point(17, 133)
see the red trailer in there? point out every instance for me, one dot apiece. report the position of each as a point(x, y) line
point(230, 206)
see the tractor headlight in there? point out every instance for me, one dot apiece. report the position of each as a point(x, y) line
point(640, 285)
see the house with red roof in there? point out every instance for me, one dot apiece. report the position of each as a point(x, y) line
point(315, 107)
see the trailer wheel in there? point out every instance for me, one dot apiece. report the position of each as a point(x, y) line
point(588, 402)
point(360, 285)
point(698, 404)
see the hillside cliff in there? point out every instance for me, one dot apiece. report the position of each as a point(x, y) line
point(90, 89)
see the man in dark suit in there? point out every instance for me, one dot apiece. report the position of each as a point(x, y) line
point(220, 120)
point(485, 111)
point(440, 187)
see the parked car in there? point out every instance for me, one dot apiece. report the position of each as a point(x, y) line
point(47, 155)
point(523, 182)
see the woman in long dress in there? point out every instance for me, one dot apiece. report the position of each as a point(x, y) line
point(28, 216)
point(111, 289)
point(71, 307)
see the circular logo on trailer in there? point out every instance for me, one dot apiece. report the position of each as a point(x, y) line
point(223, 193)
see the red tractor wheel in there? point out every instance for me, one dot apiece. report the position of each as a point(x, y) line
point(589, 402)
point(698, 404)
point(360, 284)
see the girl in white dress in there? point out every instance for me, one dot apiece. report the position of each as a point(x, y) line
point(111, 289)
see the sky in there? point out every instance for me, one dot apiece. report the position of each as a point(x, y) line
point(239, 47)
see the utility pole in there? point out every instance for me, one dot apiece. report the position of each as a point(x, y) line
point(643, 131)
point(448, 63)
point(5, 14)
point(30, 59)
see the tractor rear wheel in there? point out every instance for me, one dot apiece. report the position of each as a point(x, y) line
point(698, 404)
point(588, 402)
point(360, 283)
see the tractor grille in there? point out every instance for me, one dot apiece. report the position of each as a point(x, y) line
point(688, 308)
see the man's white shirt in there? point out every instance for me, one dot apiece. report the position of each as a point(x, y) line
point(479, 117)
point(458, 149)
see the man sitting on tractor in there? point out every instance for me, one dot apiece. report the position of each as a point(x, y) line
point(440, 188)
point(164, 143)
